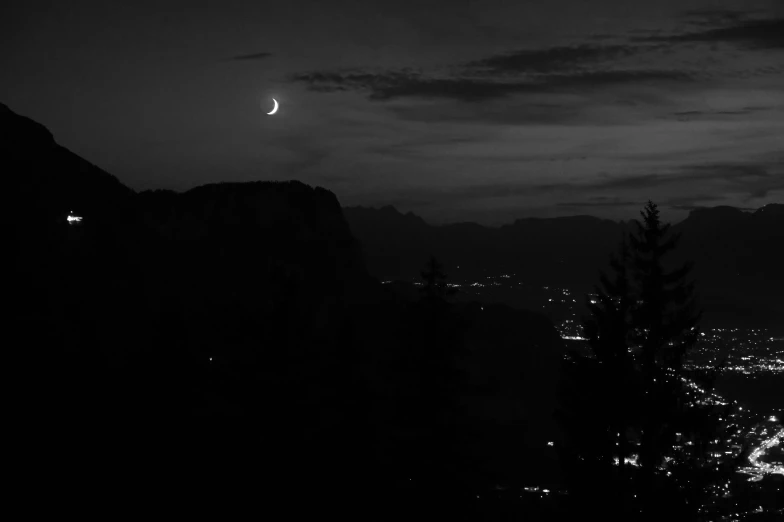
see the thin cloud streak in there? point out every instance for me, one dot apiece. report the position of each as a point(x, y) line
point(764, 34)
point(253, 56)
point(554, 58)
point(403, 84)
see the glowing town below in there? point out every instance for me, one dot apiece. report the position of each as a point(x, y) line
point(751, 355)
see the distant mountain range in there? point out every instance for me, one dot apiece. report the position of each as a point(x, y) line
point(738, 256)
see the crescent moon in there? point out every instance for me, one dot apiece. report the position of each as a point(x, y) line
point(275, 109)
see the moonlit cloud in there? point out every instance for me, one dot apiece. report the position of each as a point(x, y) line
point(760, 34)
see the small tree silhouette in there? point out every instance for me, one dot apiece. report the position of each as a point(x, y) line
point(435, 287)
point(438, 341)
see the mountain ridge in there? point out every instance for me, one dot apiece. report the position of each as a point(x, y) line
point(737, 254)
point(391, 210)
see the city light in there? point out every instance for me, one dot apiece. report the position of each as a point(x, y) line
point(758, 469)
point(628, 460)
point(749, 354)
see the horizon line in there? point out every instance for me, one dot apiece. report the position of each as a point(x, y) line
point(745, 211)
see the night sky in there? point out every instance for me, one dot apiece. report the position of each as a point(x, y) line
point(484, 111)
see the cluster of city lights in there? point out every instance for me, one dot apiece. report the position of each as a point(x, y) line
point(706, 398)
point(538, 491)
point(737, 517)
point(73, 219)
point(632, 461)
point(758, 469)
point(751, 353)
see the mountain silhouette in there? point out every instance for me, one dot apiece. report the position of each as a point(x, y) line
point(248, 309)
point(737, 254)
point(48, 181)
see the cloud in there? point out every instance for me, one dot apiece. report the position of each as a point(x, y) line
point(408, 84)
point(536, 127)
point(746, 177)
point(404, 83)
point(603, 201)
point(712, 17)
point(752, 34)
point(692, 202)
point(553, 58)
point(602, 36)
point(696, 185)
point(688, 207)
point(740, 112)
point(746, 180)
point(615, 77)
point(254, 56)
point(753, 180)
point(573, 69)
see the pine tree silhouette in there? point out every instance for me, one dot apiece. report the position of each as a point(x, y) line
point(636, 396)
point(667, 316)
point(665, 322)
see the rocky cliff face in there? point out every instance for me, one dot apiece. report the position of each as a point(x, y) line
point(277, 219)
point(177, 278)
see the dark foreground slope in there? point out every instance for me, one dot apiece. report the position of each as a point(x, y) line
point(227, 343)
